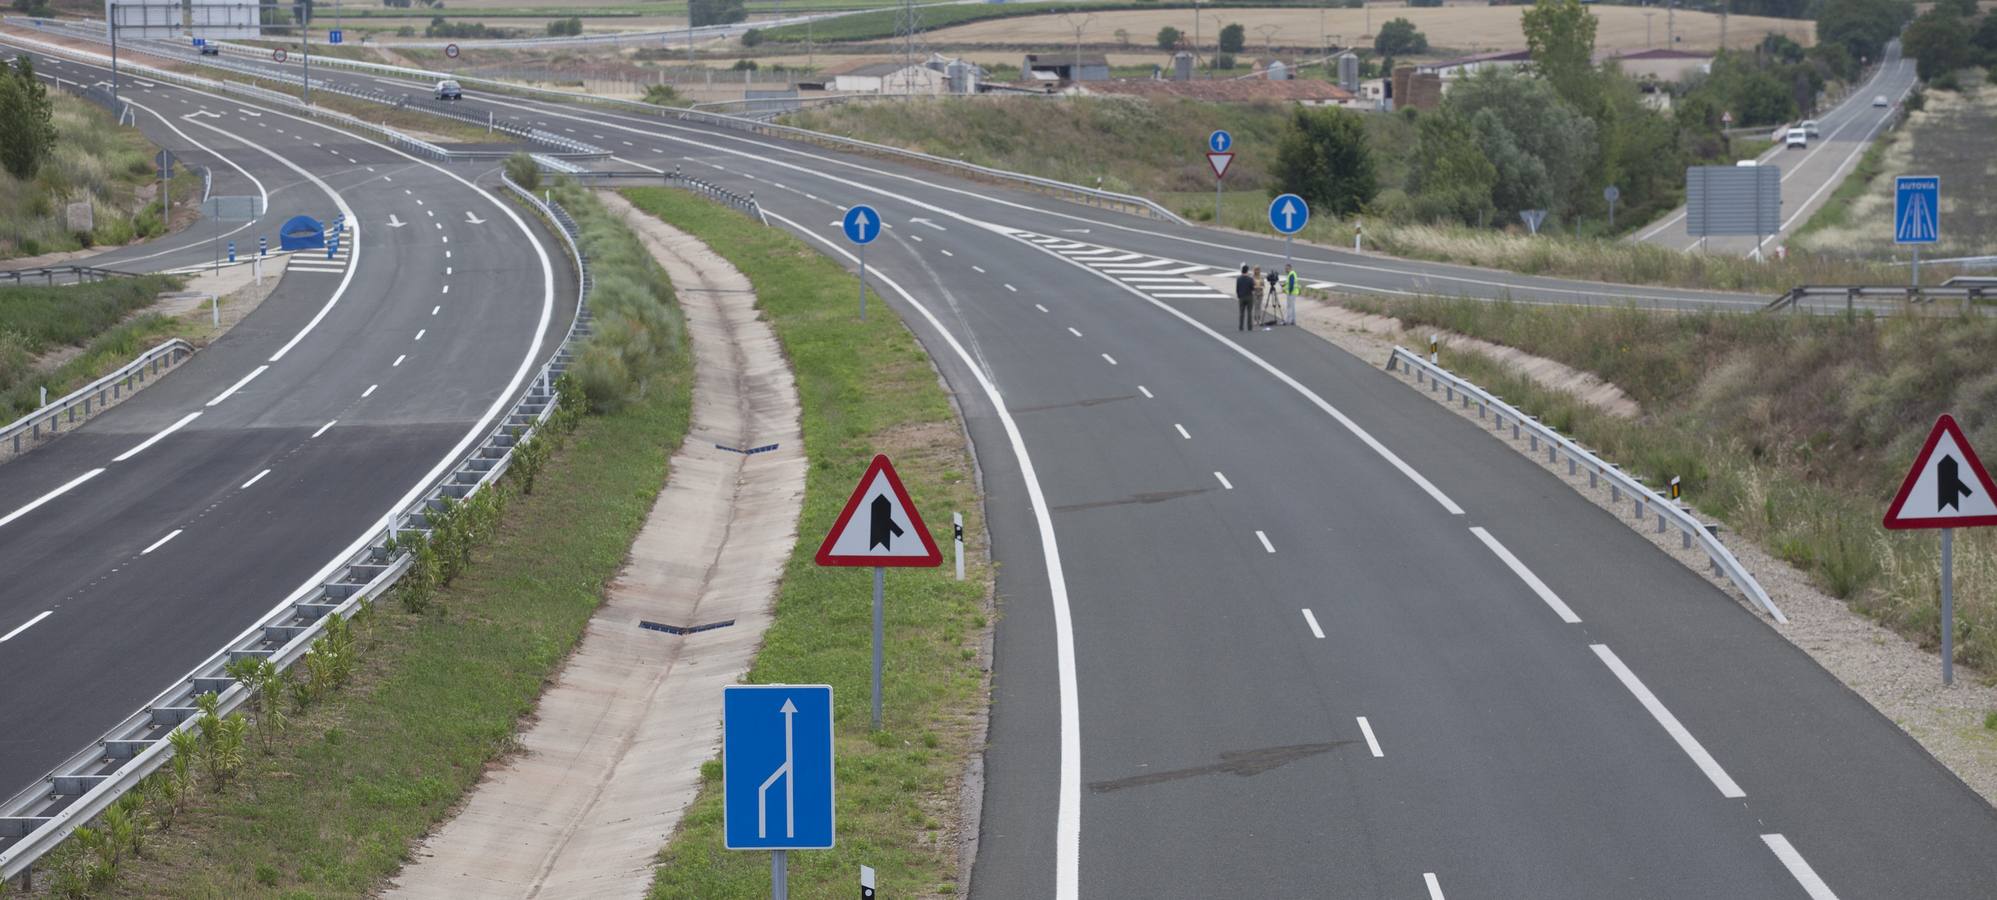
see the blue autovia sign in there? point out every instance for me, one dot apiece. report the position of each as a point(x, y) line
point(1917, 215)
point(776, 762)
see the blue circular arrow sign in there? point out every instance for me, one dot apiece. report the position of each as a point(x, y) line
point(862, 224)
point(1288, 214)
point(1219, 141)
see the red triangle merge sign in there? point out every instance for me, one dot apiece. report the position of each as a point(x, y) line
point(879, 526)
point(1219, 162)
point(1948, 487)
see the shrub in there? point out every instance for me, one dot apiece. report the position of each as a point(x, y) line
point(1169, 38)
point(1399, 37)
point(524, 171)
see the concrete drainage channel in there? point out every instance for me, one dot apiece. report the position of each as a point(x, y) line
point(37, 819)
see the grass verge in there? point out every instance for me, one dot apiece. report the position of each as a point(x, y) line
point(37, 320)
point(898, 787)
point(95, 161)
point(332, 807)
point(1795, 431)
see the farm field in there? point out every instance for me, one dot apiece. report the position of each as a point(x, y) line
point(1948, 137)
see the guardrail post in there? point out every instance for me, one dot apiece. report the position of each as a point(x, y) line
point(1639, 506)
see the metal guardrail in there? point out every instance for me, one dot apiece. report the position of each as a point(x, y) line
point(1645, 501)
point(39, 818)
point(60, 416)
point(1065, 190)
point(82, 274)
point(1970, 290)
point(675, 178)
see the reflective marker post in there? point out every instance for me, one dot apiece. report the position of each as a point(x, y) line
point(957, 533)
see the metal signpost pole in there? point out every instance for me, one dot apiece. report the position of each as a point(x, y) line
point(111, 25)
point(879, 576)
point(1916, 282)
point(305, 34)
point(1287, 267)
point(863, 282)
point(779, 875)
point(1948, 605)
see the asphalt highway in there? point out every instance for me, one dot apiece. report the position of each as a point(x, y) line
point(139, 544)
point(1809, 175)
point(1275, 626)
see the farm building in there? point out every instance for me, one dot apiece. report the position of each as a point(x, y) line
point(1063, 66)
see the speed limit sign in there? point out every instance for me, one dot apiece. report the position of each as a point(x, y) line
point(451, 50)
point(278, 54)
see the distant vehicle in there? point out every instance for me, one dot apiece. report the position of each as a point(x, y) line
point(1879, 100)
point(449, 90)
point(1747, 163)
point(211, 49)
point(1810, 126)
point(1797, 139)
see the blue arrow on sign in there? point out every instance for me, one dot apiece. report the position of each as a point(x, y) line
point(862, 224)
point(1219, 141)
point(776, 766)
point(333, 36)
point(1288, 214)
point(1917, 201)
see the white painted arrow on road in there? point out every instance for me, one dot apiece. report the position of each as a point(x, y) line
point(473, 220)
point(394, 222)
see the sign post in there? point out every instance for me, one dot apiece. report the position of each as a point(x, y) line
point(1917, 214)
point(862, 225)
point(1612, 194)
point(892, 534)
point(773, 733)
point(1947, 488)
point(1220, 145)
point(1288, 214)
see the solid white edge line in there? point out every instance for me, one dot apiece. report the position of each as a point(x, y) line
point(1224, 483)
point(258, 477)
point(1266, 546)
point(1686, 741)
point(1182, 431)
point(151, 440)
point(1311, 620)
point(1434, 887)
point(1372, 743)
point(1068, 820)
point(322, 428)
point(38, 501)
point(238, 385)
point(1793, 861)
point(1532, 581)
point(26, 625)
point(156, 544)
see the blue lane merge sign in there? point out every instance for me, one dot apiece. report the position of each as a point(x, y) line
point(333, 36)
point(200, 42)
point(1917, 213)
point(1219, 141)
point(1288, 213)
point(862, 224)
point(776, 766)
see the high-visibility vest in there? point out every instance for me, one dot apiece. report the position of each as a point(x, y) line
point(1290, 283)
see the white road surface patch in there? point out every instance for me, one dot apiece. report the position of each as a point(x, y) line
point(948, 253)
point(1012, 289)
point(1182, 431)
point(1071, 330)
point(1311, 620)
point(38, 501)
point(1039, 307)
point(978, 269)
point(370, 390)
point(1266, 546)
point(1793, 861)
point(1372, 743)
point(1685, 740)
point(398, 360)
point(433, 311)
point(238, 385)
point(1110, 359)
point(1434, 887)
point(1227, 485)
point(25, 626)
point(322, 428)
point(1532, 581)
point(1146, 392)
point(162, 541)
point(256, 478)
point(146, 443)
point(423, 331)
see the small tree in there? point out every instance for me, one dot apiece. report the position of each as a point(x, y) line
point(1323, 158)
point(716, 12)
point(524, 171)
point(1399, 37)
point(1233, 38)
point(1169, 38)
point(27, 123)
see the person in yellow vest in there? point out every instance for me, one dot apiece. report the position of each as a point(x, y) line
point(1291, 288)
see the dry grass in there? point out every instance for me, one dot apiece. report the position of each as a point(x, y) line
point(1465, 28)
point(1950, 137)
point(95, 161)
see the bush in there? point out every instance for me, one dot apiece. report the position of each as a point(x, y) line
point(753, 37)
point(1169, 38)
point(745, 65)
point(1223, 61)
point(1233, 38)
point(1399, 37)
point(1323, 157)
point(524, 171)
point(663, 95)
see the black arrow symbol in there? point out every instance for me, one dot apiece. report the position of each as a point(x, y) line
point(1948, 486)
point(883, 522)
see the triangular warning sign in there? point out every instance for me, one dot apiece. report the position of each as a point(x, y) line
point(1219, 162)
point(1947, 488)
point(879, 526)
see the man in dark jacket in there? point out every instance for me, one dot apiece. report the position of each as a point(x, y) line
point(1244, 295)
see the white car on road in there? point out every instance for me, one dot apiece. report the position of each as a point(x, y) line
point(1796, 139)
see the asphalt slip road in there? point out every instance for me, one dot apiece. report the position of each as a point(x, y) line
point(1809, 175)
point(169, 524)
point(1274, 626)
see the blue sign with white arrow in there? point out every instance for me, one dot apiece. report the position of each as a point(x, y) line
point(776, 766)
point(1288, 214)
point(333, 36)
point(1219, 141)
point(1917, 202)
point(862, 224)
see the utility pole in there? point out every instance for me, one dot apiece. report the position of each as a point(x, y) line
point(305, 34)
point(111, 25)
point(1646, 28)
point(1196, 34)
point(1076, 75)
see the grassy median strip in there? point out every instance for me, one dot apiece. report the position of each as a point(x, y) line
point(866, 388)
